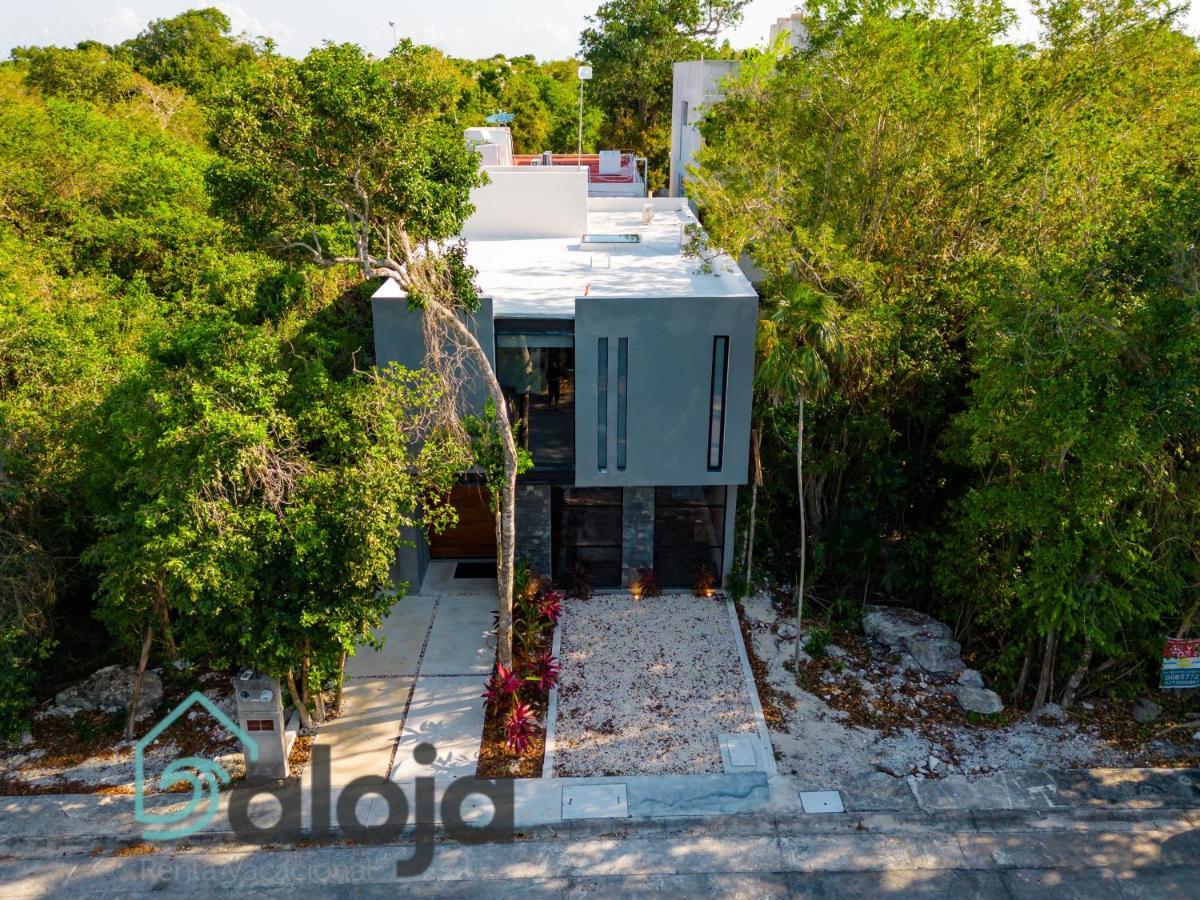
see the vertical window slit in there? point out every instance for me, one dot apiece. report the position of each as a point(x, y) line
point(622, 398)
point(602, 404)
point(716, 407)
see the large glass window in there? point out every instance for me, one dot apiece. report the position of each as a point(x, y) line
point(586, 532)
point(689, 533)
point(535, 364)
point(716, 405)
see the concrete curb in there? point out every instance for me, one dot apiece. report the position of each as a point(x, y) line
point(552, 711)
point(764, 735)
point(1061, 789)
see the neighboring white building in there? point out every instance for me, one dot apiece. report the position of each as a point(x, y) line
point(611, 173)
point(697, 85)
point(793, 27)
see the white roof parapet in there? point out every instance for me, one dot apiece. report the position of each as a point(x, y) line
point(545, 277)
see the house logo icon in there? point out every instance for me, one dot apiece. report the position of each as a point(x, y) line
point(204, 775)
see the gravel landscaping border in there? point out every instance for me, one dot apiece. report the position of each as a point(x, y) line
point(647, 685)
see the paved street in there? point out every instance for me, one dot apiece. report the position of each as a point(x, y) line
point(1021, 853)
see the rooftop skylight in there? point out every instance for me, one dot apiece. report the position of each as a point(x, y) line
point(599, 240)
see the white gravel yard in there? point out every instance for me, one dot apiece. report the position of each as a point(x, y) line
point(647, 685)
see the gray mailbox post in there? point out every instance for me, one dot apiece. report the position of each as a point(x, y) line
point(260, 714)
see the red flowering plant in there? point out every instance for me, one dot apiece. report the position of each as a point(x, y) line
point(520, 727)
point(544, 672)
point(550, 606)
point(512, 693)
point(502, 686)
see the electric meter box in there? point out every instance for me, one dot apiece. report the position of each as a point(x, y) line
point(260, 715)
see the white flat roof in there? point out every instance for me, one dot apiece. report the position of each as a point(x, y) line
point(542, 277)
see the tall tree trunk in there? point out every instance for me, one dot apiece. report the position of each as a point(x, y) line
point(506, 551)
point(315, 701)
point(298, 701)
point(1026, 668)
point(803, 528)
point(341, 678)
point(1047, 673)
point(755, 481)
point(1078, 675)
point(136, 693)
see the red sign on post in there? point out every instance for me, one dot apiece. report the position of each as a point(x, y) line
point(1182, 649)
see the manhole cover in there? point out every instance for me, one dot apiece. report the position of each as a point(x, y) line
point(821, 802)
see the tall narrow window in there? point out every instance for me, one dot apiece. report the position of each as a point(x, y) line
point(622, 398)
point(716, 403)
point(602, 404)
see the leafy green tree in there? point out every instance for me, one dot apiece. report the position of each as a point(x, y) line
point(194, 50)
point(87, 73)
point(632, 45)
point(95, 197)
point(250, 503)
point(185, 431)
point(341, 160)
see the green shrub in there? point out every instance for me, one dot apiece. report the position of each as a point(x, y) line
point(18, 661)
point(817, 642)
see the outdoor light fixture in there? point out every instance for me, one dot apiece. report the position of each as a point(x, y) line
point(585, 74)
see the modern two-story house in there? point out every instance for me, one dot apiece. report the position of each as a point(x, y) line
point(626, 362)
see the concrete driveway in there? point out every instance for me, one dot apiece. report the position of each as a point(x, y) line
point(423, 685)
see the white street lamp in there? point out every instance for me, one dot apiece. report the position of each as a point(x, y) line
point(585, 74)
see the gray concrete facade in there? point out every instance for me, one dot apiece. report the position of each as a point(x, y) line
point(412, 560)
point(670, 370)
point(696, 85)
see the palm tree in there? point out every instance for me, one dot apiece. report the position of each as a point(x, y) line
point(798, 340)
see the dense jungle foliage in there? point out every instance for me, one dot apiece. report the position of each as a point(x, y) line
point(981, 274)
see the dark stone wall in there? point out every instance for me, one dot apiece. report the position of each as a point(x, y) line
point(533, 525)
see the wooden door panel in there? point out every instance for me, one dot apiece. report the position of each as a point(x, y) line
point(474, 537)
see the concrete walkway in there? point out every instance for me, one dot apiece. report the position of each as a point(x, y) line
point(424, 685)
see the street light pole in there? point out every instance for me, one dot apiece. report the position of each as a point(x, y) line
point(585, 74)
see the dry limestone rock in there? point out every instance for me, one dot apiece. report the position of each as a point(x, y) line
point(1146, 711)
point(938, 655)
point(978, 700)
point(897, 627)
point(927, 641)
point(109, 689)
point(970, 677)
